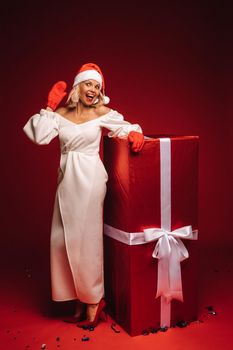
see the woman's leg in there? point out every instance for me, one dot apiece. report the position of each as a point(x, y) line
point(79, 309)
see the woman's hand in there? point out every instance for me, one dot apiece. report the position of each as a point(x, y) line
point(56, 94)
point(136, 140)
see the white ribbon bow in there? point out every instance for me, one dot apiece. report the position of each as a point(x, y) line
point(170, 251)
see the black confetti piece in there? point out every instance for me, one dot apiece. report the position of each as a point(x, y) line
point(181, 324)
point(145, 332)
point(88, 328)
point(164, 329)
point(211, 310)
point(84, 338)
point(153, 330)
point(113, 326)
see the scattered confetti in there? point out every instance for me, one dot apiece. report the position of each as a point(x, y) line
point(181, 324)
point(145, 332)
point(211, 310)
point(88, 328)
point(164, 329)
point(153, 330)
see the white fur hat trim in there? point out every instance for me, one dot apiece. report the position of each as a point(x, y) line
point(86, 75)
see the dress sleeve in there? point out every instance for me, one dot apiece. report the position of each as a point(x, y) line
point(118, 127)
point(42, 127)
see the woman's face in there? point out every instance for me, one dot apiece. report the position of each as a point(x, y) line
point(89, 91)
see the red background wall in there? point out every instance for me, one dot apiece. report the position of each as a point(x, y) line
point(167, 66)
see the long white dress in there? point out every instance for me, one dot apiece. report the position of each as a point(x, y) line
point(77, 224)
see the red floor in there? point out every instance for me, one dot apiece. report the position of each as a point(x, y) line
point(27, 321)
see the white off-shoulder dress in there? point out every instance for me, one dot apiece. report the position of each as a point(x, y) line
point(76, 248)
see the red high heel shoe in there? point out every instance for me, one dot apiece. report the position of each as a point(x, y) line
point(100, 315)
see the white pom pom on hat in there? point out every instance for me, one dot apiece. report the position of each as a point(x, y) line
point(106, 100)
point(91, 71)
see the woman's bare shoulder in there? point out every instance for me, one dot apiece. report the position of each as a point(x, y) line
point(63, 111)
point(101, 110)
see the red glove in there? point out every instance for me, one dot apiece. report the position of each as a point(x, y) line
point(136, 140)
point(56, 94)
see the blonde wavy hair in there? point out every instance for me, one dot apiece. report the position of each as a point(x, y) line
point(73, 98)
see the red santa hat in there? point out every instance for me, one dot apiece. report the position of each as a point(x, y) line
point(91, 71)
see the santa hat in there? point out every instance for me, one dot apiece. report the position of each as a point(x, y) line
point(91, 71)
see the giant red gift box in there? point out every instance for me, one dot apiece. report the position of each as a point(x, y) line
point(133, 203)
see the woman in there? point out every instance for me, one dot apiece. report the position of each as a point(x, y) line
point(77, 225)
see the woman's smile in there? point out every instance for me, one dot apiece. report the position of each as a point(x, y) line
point(90, 96)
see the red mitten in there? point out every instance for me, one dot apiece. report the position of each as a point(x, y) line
point(136, 140)
point(56, 94)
